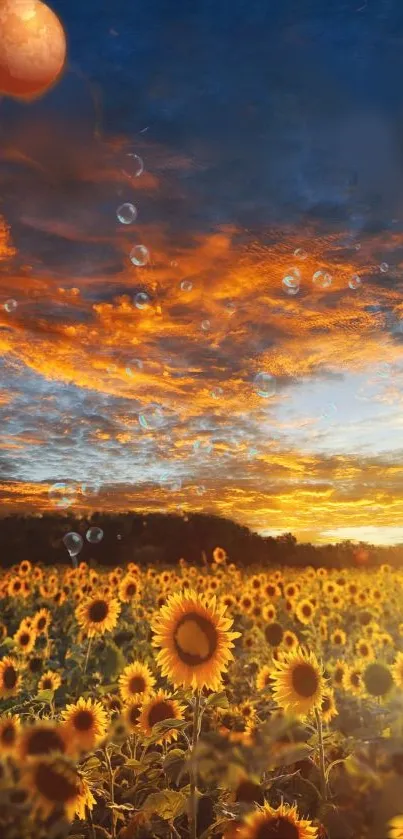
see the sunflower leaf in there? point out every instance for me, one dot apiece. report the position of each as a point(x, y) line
point(217, 700)
point(44, 696)
point(168, 804)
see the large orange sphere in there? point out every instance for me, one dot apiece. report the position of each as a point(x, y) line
point(32, 48)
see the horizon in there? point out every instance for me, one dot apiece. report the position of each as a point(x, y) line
point(246, 360)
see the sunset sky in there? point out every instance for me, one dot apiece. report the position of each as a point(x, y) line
point(271, 135)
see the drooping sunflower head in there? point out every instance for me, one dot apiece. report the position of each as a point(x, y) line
point(54, 783)
point(157, 709)
point(280, 823)
point(377, 679)
point(98, 615)
point(85, 723)
point(328, 708)
point(298, 682)
point(263, 677)
point(9, 729)
point(10, 679)
point(195, 640)
point(274, 634)
point(131, 716)
point(136, 682)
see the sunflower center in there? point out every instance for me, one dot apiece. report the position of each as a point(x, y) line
point(131, 589)
point(35, 665)
point(55, 785)
point(98, 611)
point(306, 611)
point(277, 828)
point(196, 639)
point(305, 680)
point(83, 720)
point(47, 684)
point(25, 639)
point(137, 684)
point(160, 712)
point(274, 634)
point(41, 623)
point(43, 741)
point(249, 792)
point(134, 714)
point(8, 734)
point(10, 677)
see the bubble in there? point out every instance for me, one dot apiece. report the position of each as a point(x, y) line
point(63, 494)
point(10, 305)
point(186, 285)
point(202, 447)
point(322, 279)
point(173, 263)
point(265, 385)
point(384, 267)
point(142, 300)
point(139, 255)
point(205, 325)
point(134, 166)
point(230, 307)
point(354, 281)
point(300, 253)
point(384, 370)
point(151, 418)
point(94, 535)
point(291, 281)
point(91, 488)
point(136, 364)
point(73, 543)
point(200, 490)
point(126, 213)
point(329, 410)
point(217, 392)
point(171, 484)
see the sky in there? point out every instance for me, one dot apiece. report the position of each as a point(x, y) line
point(252, 366)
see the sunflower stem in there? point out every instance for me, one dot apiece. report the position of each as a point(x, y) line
point(322, 764)
point(193, 768)
point(88, 654)
point(112, 790)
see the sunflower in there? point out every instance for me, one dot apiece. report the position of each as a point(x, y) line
point(41, 621)
point(338, 671)
point(9, 729)
point(86, 724)
point(10, 678)
point(328, 708)
point(131, 715)
point(155, 710)
point(98, 615)
point(129, 588)
point(195, 641)
point(24, 568)
point(338, 638)
point(15, 587)
point(263, 678)
point(280, 823)
point(363, 649)
point(24, 640)
point(305, 611)
point(50, 681)
point(396, 828)
point(352, 680)
point(136, 682)
point(42, 738)
point(246, 709)
point(219, 556)
point(290, 640)
point(54, 783)
point(298, 682)
point(269, 612)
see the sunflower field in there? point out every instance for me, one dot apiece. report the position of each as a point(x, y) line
point(193, 702)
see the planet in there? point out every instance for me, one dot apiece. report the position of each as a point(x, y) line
point(32, 48)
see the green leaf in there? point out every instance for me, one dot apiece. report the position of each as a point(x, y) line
point(173, 764)
point(44, 696)
point(165, 725)
point(217, 700)
point(168, 804)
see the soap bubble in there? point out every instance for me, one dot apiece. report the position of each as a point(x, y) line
point(186, 285)
point(171, 484)
point(299, 253)
point(205, 325)
point(94, 535)
point(10, 305)
point(217, 392)
point(136, 364)
point(291, 281)
point(384, 267)
point(354, 282)
point(151, 417)
point(200, 490)
point(265, 385)
point(134, 166)
point(230, 307)
point(139, 255)
point(202, 447)
point(321, 279)
point(126, 213)
point(73, 543)
point(142, 300)
point(62, 494)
